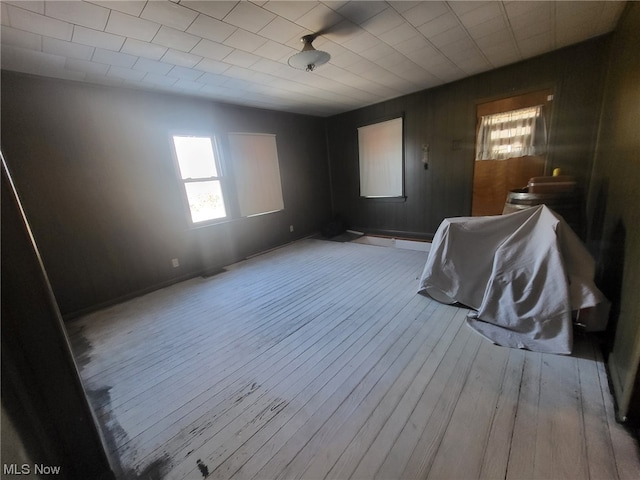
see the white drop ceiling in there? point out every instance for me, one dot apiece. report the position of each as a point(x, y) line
point(237, 52)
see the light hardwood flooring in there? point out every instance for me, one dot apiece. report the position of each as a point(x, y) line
point(318, 360)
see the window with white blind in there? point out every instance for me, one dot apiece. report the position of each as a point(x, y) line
point(201, 177)
point(517, 133)
point(380, 149)
point(257, 173)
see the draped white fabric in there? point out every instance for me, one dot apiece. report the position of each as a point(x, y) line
point(255, 162)
point(380, 150)
point(523, 273)
point(517, 133)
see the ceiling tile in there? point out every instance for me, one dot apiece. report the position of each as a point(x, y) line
point(161, 80)
point(414, 44)
point(188, 85)
point(249, 17)
point(499, 37)
point(86, 66)
point(94, 38)
point(113, 58)
point(104, 80)
point(129, 7)
point(216, 9)
point(129, 26)
point(486, 28)
point(377, 51)
point(346, 58)
point(452, 35)
point(152, 66)
point(172, 38)
point(291, 10)
point(37, 7)
point(182, 59)
point(282, 30)
point(535, 45)
point(66, 49)
point(184, 73)
point(274, 51)
point(391, 61)
point(213, 50)
point(211, 29)
point(241, 59)
point(480, 15)
point(441, 24)
point(78, 13)
point(383, 22)
point(319, 18)
point(502, 54)
point(170, 14)
point(399, 34)
point(516, 8)
point(213, 79)
point(212, 66)
point(35, 23)
point(462, 7)
point(361, 41)
point(125, 73)
point(425, 12)
point(20, 38)
point(361, 11)
point(143, 49)
point(244, 40)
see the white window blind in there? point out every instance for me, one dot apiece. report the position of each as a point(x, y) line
point(380, 151)
point(255, 160)
point(517, 133)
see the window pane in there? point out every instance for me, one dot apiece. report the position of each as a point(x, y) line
point(380, 152)
point(195, 157)
point(205, 200)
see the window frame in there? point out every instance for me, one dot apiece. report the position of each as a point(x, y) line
point(391, 198)
point(221, 177)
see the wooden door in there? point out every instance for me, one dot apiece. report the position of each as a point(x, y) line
point(493, 179)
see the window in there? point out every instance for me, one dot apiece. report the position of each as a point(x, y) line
point(380, 151)
point(255, 162)
point(517, 133)
point(200, 173)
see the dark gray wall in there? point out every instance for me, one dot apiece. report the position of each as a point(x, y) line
point(614, 201)
point(94, 169)
point(445, 118)
point(41, 390)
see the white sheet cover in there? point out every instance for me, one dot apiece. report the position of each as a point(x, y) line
point(522, 273)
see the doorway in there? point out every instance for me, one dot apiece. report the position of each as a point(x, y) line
point(493, 178)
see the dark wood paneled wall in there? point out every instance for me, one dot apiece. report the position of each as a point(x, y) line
point(41, 389)
point(614, 205)
point(445, 119)
point(94, 169)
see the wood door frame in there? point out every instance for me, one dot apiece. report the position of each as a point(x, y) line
point(543, 97)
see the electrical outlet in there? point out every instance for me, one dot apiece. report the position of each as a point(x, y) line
point(175, 262)
point(291, 228)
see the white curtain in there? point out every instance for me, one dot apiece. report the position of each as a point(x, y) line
point(380, 150)
point(517, 133)
point(255, 162)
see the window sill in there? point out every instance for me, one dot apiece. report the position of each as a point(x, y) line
point(385, 199)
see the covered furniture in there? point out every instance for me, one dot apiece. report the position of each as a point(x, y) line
point(523, 274)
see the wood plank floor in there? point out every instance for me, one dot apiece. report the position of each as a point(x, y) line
point(318, 360)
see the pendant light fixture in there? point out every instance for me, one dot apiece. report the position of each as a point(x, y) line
point(309, 58)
